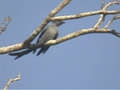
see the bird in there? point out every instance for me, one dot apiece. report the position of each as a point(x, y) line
point(49, 33)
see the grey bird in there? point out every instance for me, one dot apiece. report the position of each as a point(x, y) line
point(49, 33)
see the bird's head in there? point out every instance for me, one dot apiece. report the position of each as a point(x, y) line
point(58, 22)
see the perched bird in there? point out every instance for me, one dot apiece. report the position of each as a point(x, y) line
point(49, 33)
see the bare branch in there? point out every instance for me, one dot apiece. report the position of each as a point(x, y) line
point(11, 81)
point(79, 33)
point(59, 40)
point(76, 16)
point(11, 48)
point(65, 38)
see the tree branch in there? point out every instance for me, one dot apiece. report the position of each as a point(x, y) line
point(80, 33)
point(111, 21)
point(5, 24)
point(11, 81)
point(102, 17)
point(76, 16)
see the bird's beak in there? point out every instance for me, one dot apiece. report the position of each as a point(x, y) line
point(58, 23)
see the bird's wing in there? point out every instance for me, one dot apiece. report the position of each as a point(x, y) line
point(40, 35)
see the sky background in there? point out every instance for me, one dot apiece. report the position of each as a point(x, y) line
point(86, 62)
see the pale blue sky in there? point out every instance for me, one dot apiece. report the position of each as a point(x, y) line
point(89, 61)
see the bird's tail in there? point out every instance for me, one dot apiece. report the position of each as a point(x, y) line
point(20, 54)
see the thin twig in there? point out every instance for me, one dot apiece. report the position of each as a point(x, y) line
point(11, 81)
point(102, 17)
point(103, 4)
point(5, 24)
point(111, 21)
